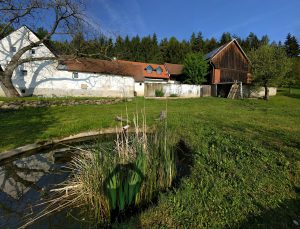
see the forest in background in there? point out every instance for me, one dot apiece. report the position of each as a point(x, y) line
point(150, 49)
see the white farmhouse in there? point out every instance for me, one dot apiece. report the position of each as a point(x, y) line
point(69, 77)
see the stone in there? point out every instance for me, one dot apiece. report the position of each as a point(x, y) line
point(5, 106)
point(13, 106)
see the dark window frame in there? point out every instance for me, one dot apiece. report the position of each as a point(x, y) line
point(75, 75)
point(24, 72)
point(13, 49)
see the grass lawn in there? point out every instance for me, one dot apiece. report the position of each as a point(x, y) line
point(246, 156)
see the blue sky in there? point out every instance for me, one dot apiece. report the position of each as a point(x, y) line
point(180, 18)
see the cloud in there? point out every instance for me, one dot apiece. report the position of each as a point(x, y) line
point(119, 17)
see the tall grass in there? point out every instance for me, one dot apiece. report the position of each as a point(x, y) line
point(128, 174)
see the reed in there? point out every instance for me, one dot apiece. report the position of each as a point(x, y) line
point(128, 174)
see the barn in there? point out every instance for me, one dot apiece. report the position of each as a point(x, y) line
point(229, 70)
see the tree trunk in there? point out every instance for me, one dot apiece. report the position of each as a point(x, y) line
point(266, 97)
point(7, 86)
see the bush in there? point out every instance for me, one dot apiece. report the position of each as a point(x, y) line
point(173, 95)
point(159, 93)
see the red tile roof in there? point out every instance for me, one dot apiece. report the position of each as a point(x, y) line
point(174, 69)
point(153, 74)
point(119, 67)
point(103, 66)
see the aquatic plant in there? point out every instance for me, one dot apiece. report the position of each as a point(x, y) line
point(130, 173)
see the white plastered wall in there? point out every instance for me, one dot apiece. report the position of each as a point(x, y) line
point(44, 79)
point(139, 88)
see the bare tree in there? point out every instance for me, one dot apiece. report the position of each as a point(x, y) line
point(63, 15)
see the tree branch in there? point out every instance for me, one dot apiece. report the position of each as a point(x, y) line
point(27, 60)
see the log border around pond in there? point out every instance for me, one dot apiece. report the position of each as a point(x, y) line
point(43, 145)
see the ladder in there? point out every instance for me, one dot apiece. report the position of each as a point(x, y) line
point(234, 91)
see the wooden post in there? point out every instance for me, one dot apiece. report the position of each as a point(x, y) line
point(241, 90)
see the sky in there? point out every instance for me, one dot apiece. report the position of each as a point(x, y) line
point(180, 18)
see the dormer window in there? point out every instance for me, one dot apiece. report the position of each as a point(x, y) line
point(159, 70)
point(13, 49)
point(75, 75)
point(32, 51)
point(149, 69)
point(62, 67)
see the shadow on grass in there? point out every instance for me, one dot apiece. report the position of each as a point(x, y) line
point(286, 215)
point(184, 163)
point(19, 127)
point(293, 94)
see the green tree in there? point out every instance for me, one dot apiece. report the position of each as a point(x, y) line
point(210, 44)
point(6, 30)
point(251, 42)
point(270, 65)
point(225, 38)
point(291, 45)
point(195, 68)
point(264, 40)
point(155, 54)
point(292, 79)
point(119, 48)
point(135, 48)
point(197, 42)
point(127, 54)
point(173, 52)
point(77, 44)
point(41, 32)
point(145, 49)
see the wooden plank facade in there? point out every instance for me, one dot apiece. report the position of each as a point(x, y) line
point(229, 64)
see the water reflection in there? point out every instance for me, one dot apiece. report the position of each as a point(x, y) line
point(24, 182)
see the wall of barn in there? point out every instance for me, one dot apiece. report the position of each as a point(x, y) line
point(232, 64)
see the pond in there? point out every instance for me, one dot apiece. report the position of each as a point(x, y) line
point(26, 180)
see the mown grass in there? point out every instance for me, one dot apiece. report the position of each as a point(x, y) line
point(246, 163)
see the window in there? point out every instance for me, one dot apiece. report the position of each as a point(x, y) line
point(75, 75)
point(13, 49)
point(149, 69)
point(32, 51)
point(24, 72)
point(159, 70)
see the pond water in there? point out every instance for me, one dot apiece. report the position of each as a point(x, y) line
point(25, 181)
